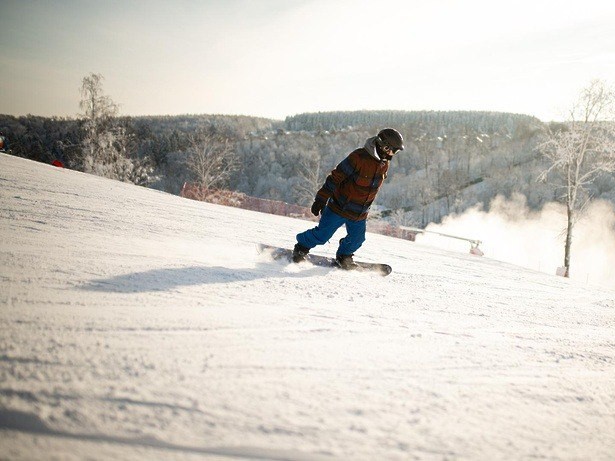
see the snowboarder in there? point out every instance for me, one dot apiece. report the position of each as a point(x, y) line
point(346, 196)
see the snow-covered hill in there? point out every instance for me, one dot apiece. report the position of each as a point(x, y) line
point(136, 324)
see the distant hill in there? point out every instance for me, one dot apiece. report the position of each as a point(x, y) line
point(487, 122)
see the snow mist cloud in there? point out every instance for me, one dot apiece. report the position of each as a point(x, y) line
point(513, 233)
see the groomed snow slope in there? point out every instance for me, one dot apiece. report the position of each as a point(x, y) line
point(139, 325)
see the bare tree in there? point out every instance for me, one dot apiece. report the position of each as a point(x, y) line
point(211, 159)
point(423, 143)
point(309, 172)
point(580, 150)
point(426, 194)
point(94, 103)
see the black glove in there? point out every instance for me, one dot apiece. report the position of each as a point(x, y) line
point(317, 207)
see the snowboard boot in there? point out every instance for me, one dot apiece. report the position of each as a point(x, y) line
point(299, 253)
point(345, 262)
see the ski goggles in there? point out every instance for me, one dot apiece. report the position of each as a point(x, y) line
point(390, 150)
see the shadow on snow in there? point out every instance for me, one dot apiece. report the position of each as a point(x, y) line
point(165, 279)
point(30, 423)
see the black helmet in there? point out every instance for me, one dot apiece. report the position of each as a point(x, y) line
point(391, 138)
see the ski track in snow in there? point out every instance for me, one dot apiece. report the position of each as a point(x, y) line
point(136, 324)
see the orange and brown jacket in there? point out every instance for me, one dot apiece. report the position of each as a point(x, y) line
point(352, 186)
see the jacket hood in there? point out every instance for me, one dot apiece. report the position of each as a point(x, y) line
point(370, 146)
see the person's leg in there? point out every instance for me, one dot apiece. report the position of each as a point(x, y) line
point(319, 235)
point(355, 238)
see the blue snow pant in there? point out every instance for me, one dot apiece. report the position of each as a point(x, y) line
point(329, 223)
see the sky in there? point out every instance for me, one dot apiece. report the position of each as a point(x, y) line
point(276, 58)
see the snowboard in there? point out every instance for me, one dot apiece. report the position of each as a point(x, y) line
point(285, 254)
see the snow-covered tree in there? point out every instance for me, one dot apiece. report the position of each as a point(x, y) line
point(211, 160)
point(105, 144)
point(580, 150)
point(98, 113)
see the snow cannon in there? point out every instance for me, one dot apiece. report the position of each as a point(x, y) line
point(474, 249)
